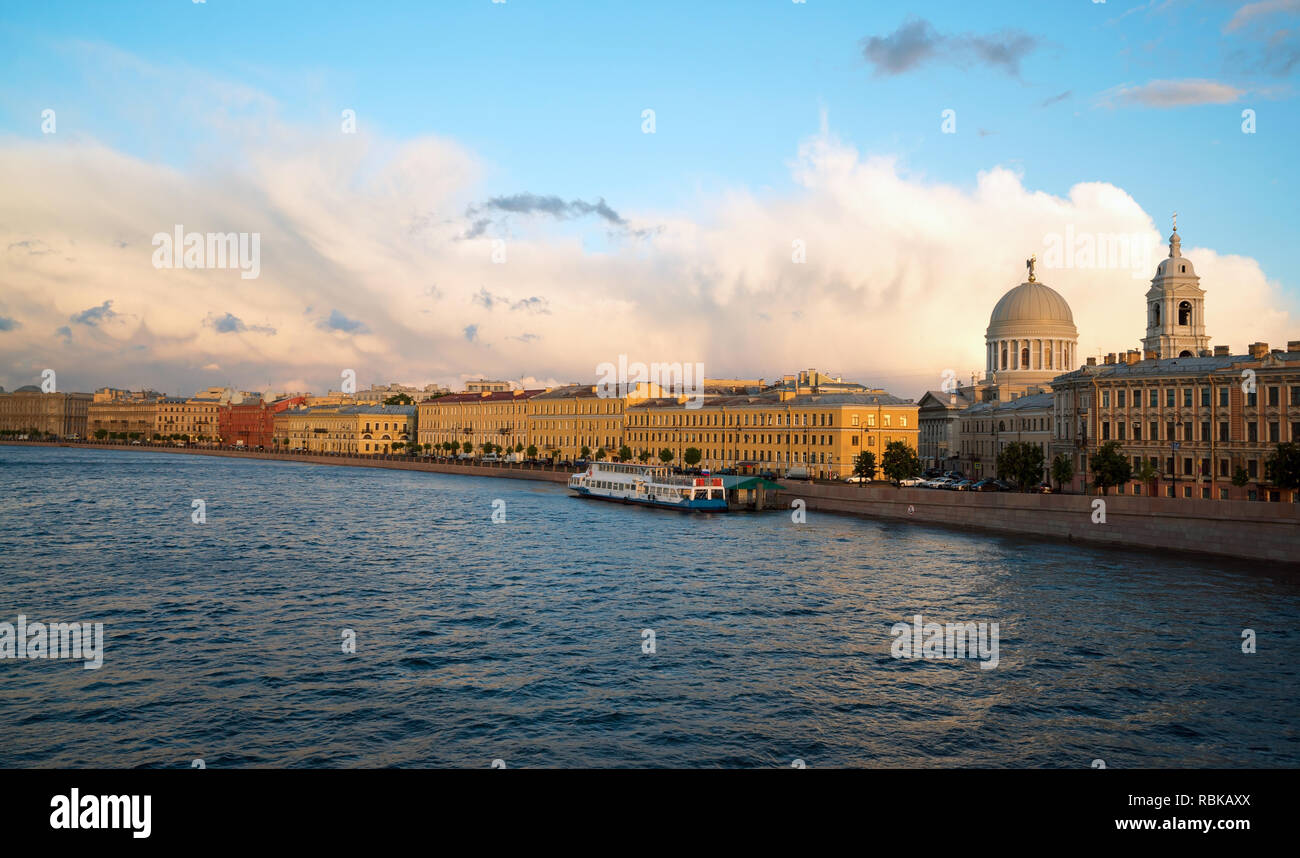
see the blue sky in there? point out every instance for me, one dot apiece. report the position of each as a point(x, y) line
point(549, 94)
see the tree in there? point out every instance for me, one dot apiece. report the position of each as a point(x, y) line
point(488, 447)
point(1062, 470)
point(666, 455)
point(691, 456)
point(519, 448)
point(624, 453)
point(900, 461)
point(399, 399)
point(1022, 463)
point(1110, 467)
point(101, 434)
point(644, 456)
point(467, 447)
point(531, 452)
point(1283, 466)
point(427, 448)
point(585, 453)
point(864, 465)
point(601, 454)
point(1146, 473)
point(1240, 477)
point(396, 445)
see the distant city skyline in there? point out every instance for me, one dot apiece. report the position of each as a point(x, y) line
point(425, 213)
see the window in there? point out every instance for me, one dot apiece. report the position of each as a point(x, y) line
point(1169, 398)
point(1205, 397)
point(855, 420)
point(1223, 431)
point(1187, 397)
point(1120, 397)
point(1223, 397)
point(1185, 313)
point(1105, 399)
point(1137, 431)
point(1273, 432)
point(1252, 431)
point(1252, 399)
point(1105, 430)
point(1137, 399)
point(1273, 396)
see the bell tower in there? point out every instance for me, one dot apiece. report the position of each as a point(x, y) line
point(1176, 307)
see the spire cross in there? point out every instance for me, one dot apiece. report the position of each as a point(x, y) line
point(1175, 221)
point(1029, 263)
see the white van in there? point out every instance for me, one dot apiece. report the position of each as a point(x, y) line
point(798, 472)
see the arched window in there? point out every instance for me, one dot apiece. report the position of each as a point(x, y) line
point(1002, 426)
point(1155, 315)
point(1185, 313)
point(1024, 358)
point(1004, 357)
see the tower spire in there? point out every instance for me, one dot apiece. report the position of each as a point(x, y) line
point(1175, 243)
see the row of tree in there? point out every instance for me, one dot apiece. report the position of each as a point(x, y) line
point(1023, 463)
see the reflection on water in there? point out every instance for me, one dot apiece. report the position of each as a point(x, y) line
point(522, 641)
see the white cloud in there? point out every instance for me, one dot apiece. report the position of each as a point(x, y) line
point(1171, 93)
point(900, 273)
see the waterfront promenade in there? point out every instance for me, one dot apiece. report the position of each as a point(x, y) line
point(1243, 530)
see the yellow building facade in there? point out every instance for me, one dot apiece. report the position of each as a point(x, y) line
point(29, 411)
point(823, 433)
point(364, 429)
point(494, 417)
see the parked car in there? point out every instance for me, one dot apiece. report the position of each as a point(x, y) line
point(854, 478)
point(73, 437)
point(910, 482)
point(798, 473)
point(962, 485)
point(491, 457)
point(1043, 488)
point(1005, 486)
point(985, 485)
point(135, 443)
point(936, 483)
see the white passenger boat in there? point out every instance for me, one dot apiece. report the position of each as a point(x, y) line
point(652, 485)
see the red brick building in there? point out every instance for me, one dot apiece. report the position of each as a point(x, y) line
point(252, 424)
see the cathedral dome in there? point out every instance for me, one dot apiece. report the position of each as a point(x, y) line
point(1031, 303)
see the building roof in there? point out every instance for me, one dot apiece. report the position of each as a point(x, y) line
point(1171, 367)
point(1032, 302)
point(1023, 403)
point(498, 396)
point(946, 399)
point(773, 399)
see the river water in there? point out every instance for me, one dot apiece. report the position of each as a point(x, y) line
point(522, 640)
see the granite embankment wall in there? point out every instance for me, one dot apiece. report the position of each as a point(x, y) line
point(400, 463)
point(1243, 530)
point(1249, 530)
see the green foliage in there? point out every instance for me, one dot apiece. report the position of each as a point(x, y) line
point(666, 455)
point(865, 465)
point(1062, 470)
point(531, 452)
point(399, 399)
point(1110, 467)
point(1283, 466)
point(691, 456)
point(900, 461)
point(1240, 477)
point(1022, 463)
point(624, 453)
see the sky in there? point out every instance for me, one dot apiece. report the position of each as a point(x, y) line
point(449, 190)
